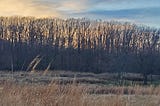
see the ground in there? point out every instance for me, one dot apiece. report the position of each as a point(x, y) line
point(64, 88)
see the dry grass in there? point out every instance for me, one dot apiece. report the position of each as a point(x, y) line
point(75, 95)
point(126, 90)
point(19, 92)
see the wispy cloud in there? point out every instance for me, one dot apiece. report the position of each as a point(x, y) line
point(143, 11)
point(128, 13)
point(148, 16)
point(42, 8)
point(26, 8)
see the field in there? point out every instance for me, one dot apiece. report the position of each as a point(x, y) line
point(79, 53)
point(62, 88)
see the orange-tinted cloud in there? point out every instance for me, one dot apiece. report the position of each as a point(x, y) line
point(26, 8)
point(43, 8)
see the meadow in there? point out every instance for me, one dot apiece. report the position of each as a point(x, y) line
point(61, 88)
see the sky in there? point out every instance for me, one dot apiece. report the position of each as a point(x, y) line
point(145, 12)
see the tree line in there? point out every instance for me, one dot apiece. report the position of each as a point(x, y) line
point(79, 45)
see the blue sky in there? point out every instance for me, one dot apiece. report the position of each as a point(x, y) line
point(145, 12)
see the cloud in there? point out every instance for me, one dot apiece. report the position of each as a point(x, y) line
point(130, 13)
point(145, 11)
point(58, 8)
point(26, 8)
point(42, 8)
point(147, 16)
point(72, 5)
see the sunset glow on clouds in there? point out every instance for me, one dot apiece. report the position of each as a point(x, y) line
point(139, 11)
point(26, 8)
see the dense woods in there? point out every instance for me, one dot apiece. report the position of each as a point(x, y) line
point(78, 45)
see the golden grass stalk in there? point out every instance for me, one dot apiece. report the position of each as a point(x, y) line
point(35, 65)
point(32, 62)
point(48, 67)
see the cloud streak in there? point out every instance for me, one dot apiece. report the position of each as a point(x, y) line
point(148, 16)
point(43, 8)
point(143, 11)
point(26, 8)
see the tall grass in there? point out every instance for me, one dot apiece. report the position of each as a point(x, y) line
point(74, 95)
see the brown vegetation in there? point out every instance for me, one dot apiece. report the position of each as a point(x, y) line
point(54, 94)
